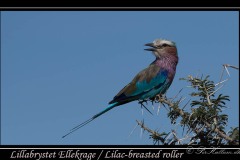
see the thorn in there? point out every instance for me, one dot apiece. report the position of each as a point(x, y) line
point(186, 104)
point(177, 94)
point(181, 99)
point(142, 105)
point(221, 82)
point(159, 106)
point(167, 137)
point(148, 110)
point(132, 130)
point(141, 129)
point(141, 133)
point(227, 70)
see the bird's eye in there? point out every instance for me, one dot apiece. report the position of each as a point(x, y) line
point(165, 45)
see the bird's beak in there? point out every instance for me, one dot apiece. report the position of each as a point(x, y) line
point(151, 45)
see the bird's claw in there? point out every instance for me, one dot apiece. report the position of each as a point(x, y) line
point(142, 101)
point(159, 97)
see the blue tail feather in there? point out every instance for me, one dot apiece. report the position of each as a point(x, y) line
point(109, 107)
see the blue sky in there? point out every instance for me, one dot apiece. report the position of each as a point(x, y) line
point(58, 68)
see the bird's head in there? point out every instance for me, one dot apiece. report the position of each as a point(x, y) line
point(162, 48)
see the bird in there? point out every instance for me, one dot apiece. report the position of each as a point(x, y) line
point(151, 81)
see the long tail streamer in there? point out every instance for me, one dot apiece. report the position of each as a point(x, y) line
point(111, 106)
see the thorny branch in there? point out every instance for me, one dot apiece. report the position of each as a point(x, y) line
point(210, 124)
point(184, 114)
point(228, 65)
point(141, 124)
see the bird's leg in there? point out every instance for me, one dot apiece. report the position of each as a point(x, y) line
point(142, 105)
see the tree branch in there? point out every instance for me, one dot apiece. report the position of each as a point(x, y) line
point(183, 114)
point(147, 129)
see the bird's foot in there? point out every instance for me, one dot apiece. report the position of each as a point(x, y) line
point(159, 97)
point(143, 101)
point(153, 100)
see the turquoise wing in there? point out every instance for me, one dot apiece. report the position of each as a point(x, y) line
point(146, 84)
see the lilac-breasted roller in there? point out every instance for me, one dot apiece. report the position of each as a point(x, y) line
point(153, 80)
